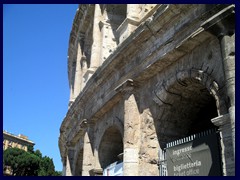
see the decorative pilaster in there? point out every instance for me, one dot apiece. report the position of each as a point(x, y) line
point(222, 25)
point(96, 46)
point(78, 76)
point(228, 161)
point(68, 171)
point(228, 54)
point(131, 140)
point(96, 167)
point(88, 158)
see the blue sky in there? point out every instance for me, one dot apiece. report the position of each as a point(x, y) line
point(35, 81)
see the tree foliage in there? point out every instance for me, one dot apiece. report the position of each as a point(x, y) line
point(46, 167)
point(38, 153)
point(30, 149)
point(58, 173)
point(21, 162)
point(31, 163)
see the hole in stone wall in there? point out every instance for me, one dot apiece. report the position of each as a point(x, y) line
point(78, 168)
point(110, 147)
point(116, 14)
point(202, 120)
point(192, 113)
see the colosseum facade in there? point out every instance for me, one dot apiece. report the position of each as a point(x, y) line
point(145, 78)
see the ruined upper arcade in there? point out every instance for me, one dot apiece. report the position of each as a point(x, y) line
point(144, 75)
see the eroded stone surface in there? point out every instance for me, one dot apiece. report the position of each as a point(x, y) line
point(141, 76)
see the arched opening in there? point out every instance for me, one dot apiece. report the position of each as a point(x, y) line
point(189, 100)
point(191, 109)
point(110, 147)
point(78, 168)
point(116, 14)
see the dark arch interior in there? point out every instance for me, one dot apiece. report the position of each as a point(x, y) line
point(116, 14)
point(191, 112)
point(110, 147)
point(78, 170)
point(202, 121)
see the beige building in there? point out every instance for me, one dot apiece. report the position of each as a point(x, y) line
point(12, 141)
point(155, 82)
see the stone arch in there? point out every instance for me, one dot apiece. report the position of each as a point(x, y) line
point(116, 14)
point(188, 101)
point(79, 163)
point(78, 158)
point(110, 146)
point(104, 125)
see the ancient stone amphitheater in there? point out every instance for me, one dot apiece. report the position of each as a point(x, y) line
point(150, 81)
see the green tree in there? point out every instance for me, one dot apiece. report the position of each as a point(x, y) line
point(21, 162)
point(30, 163)
point(46, 167)
point(58, 173)
point(30, 149)
point(38, 153)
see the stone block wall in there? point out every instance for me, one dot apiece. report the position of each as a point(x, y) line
point(166, 79)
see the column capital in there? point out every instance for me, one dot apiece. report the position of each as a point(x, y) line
point(221, 120)
point(127, 87)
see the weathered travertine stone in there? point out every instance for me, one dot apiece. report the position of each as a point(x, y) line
point(224, 124)
point(67, 168)
point(132, 124)
point(88, 158)
point(143, 75)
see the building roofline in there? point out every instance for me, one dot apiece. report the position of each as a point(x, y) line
point(18, 137)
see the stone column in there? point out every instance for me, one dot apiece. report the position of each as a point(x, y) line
point(71, 99)
point(68, 171)
point(88, 158)
point(92, 135)
point(78, 75)
point(222, 25)
point(97, 164)
point(228, 54)
point(96, 46)
point(72, 80)
point(228, 162)
point(131, 139)
point(108, 43)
